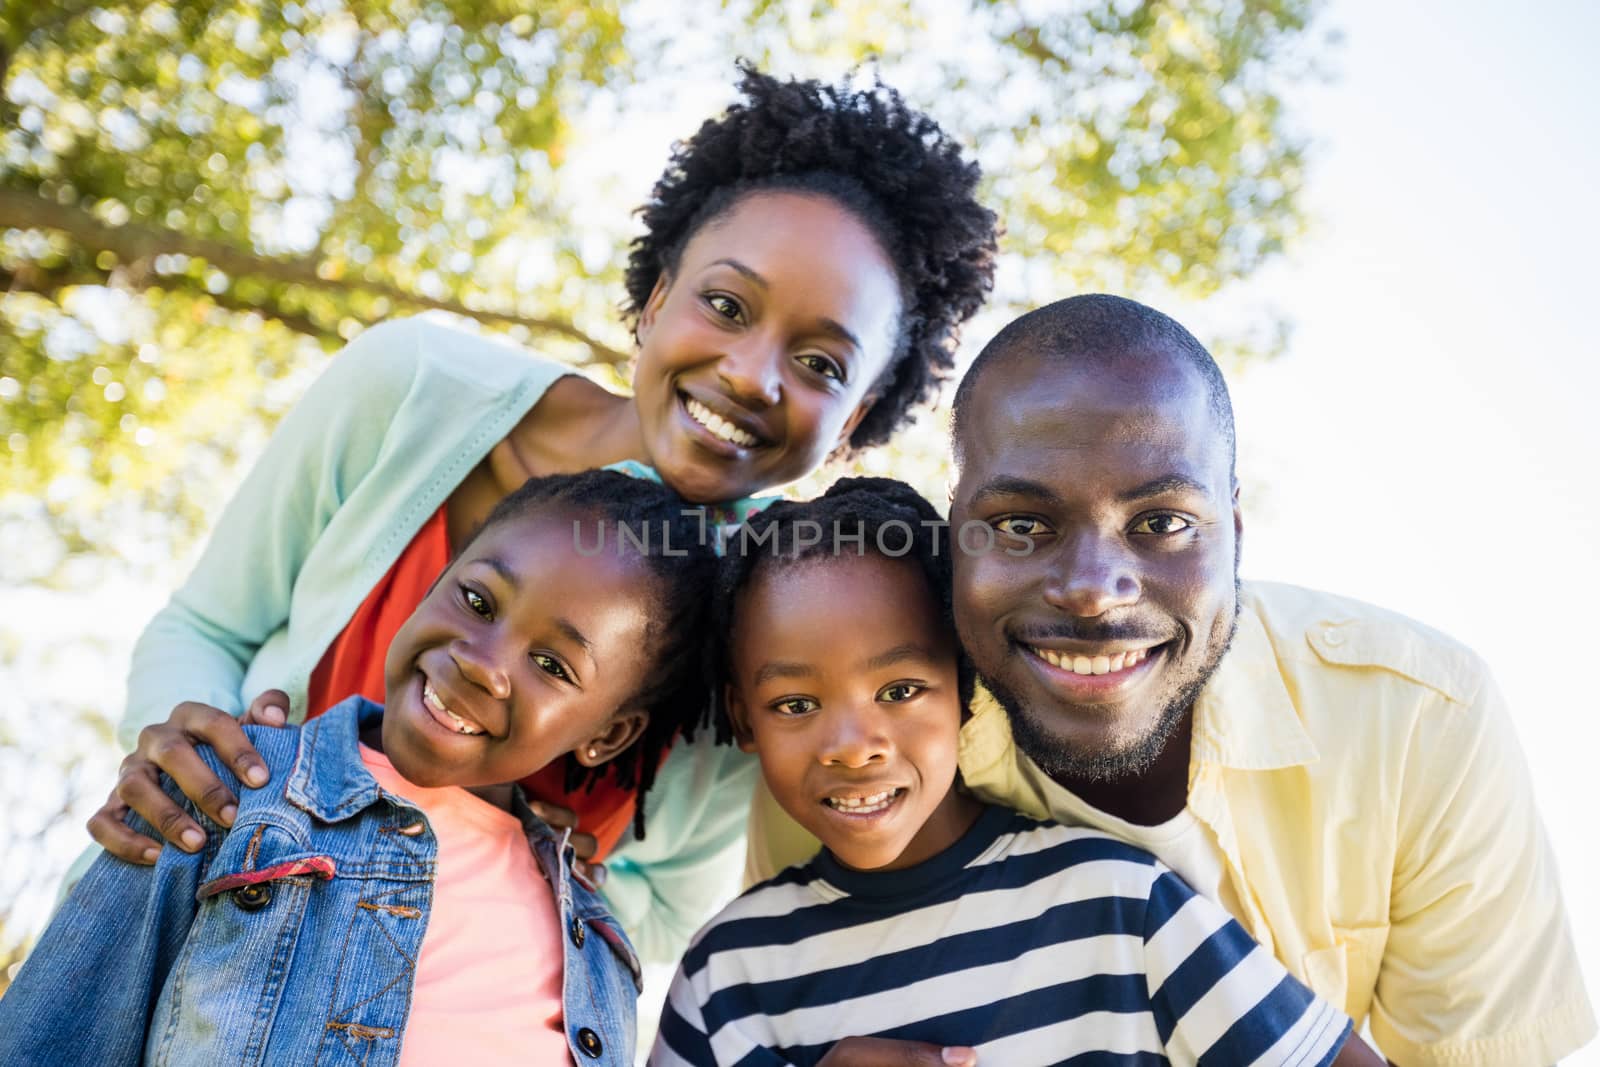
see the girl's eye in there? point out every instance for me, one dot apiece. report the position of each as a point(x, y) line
point(476, 602)
point(725, 306)
point(1165, 523)
point(794, 706)
point(551, 666)
point(899, 692)
point(821, 365)
point(1020, 526)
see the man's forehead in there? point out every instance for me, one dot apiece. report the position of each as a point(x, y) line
point(1132, 418)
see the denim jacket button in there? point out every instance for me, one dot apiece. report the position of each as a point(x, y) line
point(252, 897)
point(589, 1041)
point(578, 932)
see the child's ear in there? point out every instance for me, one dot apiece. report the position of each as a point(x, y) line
point(623, 730)
point(739, 716)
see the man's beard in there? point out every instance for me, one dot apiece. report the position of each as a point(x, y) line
point(1068, 763)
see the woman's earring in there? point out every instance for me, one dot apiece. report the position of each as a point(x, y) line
point(591, 752)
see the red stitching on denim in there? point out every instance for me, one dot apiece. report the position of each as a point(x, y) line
point(316, 866)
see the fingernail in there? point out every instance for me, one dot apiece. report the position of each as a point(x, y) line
point(274, 715)
point(151, 855)
point(192, 839)
point(228, 812)
point(958, 1057)
point(597, 875)
point(255, 776)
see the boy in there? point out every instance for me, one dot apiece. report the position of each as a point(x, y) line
point(930, 917)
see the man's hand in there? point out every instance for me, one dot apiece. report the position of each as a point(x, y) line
point(880, 1052)
point(170, 747)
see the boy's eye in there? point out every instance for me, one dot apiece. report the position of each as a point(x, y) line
point(476, 602)
point(1164, 523)
point(725, 306)
point(822, 365)
point(794, 705)
point(899, 692)
point(551, 666)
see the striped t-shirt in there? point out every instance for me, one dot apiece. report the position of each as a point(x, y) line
point(1033, 942)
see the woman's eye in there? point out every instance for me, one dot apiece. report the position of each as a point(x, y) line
point(794, 706)
point(899, 692)
point(476, 602)
point(821, 365)
point(1162, 524)
point(724, 305)
point(551, 666)
point(1020, 526)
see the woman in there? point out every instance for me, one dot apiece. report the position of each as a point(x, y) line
point(808, 258)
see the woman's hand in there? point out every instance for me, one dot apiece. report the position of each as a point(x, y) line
point(170, 747)
point(881, 1052)
point(584, 846)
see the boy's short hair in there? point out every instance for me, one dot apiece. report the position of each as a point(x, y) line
point(676, 693)
point(856, 516)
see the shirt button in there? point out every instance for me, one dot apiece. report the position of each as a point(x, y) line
point(1333, 637)
point(252, 897)
point(578, 932)
point(589, 1041)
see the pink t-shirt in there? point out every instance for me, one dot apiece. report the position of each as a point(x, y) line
point(488, 982)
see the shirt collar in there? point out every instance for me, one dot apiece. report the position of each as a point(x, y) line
point(1244, 718)
point(328, 778)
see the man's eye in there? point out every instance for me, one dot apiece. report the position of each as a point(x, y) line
point(821, 365)
point(1020, 526)
point(551, 666)
point(476, 602)
point(794, 706)
point(724, 305)
point(899, 692)
point(1162, 524)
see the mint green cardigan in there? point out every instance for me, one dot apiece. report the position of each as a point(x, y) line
point(376, 445)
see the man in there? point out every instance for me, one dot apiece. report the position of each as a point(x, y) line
point(1343, 780)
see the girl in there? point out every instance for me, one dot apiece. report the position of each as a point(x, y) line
point(807, 260)
point(393, 899)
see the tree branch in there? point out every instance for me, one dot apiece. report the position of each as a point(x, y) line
point(136, 241)
point(50, 281)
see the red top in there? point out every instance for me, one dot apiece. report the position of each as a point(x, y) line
point(354, 664)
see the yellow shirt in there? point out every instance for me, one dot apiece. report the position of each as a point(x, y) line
point(1363, 782)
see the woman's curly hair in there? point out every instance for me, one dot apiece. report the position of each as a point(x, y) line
point(889, 165)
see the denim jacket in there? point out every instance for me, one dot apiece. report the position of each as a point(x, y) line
point(291, 938)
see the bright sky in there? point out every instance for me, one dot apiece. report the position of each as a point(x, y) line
point(1429, 442)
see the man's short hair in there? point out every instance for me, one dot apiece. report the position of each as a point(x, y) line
point(1097, 327)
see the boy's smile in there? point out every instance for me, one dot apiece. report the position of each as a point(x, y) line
point(522, 651)
point(844, 681)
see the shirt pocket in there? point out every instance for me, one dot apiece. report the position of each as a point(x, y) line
point(1346, 972)
point(234, 966)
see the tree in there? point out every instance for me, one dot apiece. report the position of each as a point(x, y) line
point(198, 200)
